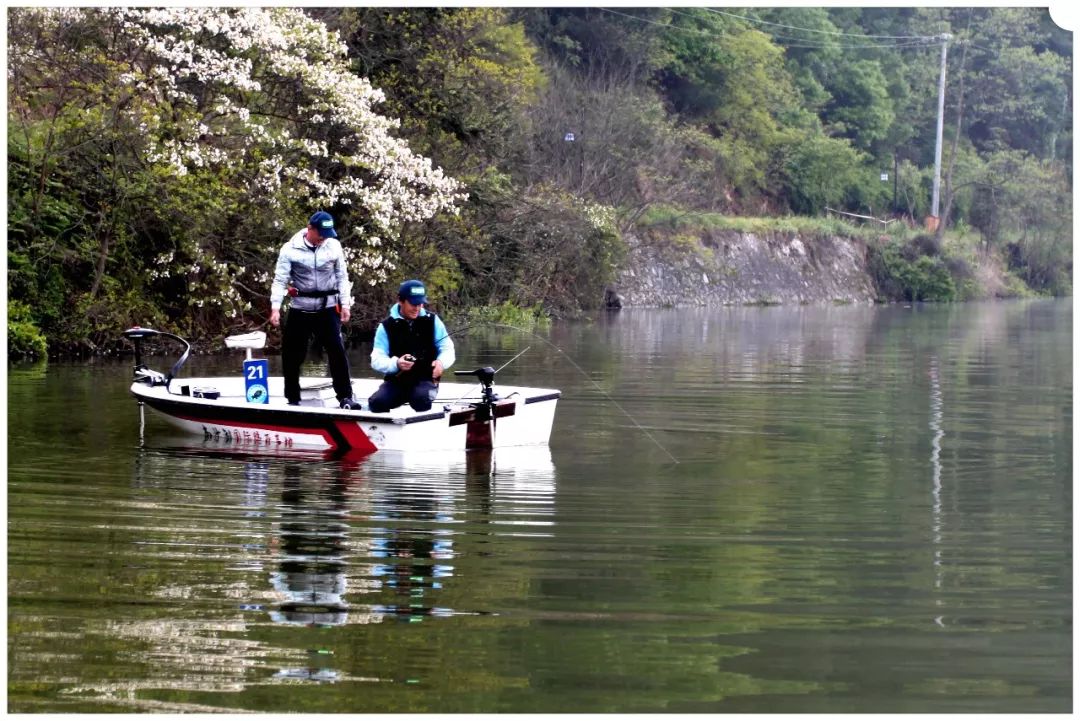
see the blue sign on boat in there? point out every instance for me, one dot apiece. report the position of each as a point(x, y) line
point(256, 373)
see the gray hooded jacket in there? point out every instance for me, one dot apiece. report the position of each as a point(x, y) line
point(311, 269)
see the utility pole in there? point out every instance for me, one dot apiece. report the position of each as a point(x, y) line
point(895, 179)
point(932, 221)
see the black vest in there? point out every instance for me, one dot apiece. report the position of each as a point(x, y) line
point(416, 338)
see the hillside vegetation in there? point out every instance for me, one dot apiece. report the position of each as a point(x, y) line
point(158, 158)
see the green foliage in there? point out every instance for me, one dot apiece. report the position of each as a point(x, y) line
point(1032, 228)
point(89, 219)
point(1004, 204)
point(905, 273)
point(547, 249)
point(1043, 263)
point(822, 171)
point(928, 279)
point(67, 220)
point(25, 341)
point(459, 78)
point(732, 79)
point(861, 108)
point(913, 187)
point(467, 83)
point(1018, 87)
point(685, 120)
point(594, 42)
point(166, 186)
point(507, 313)
point(861, 94)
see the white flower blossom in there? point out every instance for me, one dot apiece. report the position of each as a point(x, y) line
point(230, 52)
point(195, 84)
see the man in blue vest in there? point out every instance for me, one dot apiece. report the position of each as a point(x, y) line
point(412, 349)
point(311, 270)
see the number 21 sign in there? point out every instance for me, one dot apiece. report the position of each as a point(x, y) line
point(256, 373)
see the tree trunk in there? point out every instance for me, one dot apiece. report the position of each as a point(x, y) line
point(99, 271)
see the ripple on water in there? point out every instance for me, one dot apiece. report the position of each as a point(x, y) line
point(871, 511)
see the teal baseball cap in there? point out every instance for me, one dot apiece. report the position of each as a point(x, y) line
point(324, 223)
point(413, 291)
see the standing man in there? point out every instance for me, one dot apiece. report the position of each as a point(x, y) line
point(412, 348)
point(311, 269)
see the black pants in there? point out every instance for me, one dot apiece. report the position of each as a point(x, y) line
point(326, 325)
point(392, 394)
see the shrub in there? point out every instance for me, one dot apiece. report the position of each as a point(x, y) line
point(544, 248)
point(926, 244)
point(507, 313)
point(821, 171)
point(898, 277)
point(929, 279)
point(25, 340)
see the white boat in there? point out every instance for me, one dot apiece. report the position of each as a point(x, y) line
point(233, 411)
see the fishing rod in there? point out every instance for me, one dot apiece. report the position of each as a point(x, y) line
point(572, 363)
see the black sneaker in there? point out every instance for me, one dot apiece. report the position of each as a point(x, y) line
point(294, 403)
point(351, 404)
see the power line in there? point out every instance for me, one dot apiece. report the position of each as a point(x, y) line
point(669, 26)
point(824, 32)
point(980, 47)
point(822, 43)
point(913, 44)
point(916, 40)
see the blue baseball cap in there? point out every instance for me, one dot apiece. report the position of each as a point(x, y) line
point(412, 291)
point(323, 222)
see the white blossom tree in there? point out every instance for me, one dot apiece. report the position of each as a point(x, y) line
point(261, 101)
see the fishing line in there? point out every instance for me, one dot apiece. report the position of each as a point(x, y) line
point(513, 359)
point(579, 369)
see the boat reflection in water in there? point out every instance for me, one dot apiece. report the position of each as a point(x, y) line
point(302, 539)
point(353, 538)
point(424, 506)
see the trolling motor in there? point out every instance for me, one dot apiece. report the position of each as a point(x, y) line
point(488, 397)
point(141, 371)
point(481, 416)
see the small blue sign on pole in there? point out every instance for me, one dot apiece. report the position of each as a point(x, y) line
point(256, 377)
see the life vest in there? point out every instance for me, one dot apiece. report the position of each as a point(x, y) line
point(415, 338)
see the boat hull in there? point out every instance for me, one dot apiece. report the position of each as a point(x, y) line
point(523, 417)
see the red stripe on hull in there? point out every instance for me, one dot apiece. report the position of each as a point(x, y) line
point(354, 436)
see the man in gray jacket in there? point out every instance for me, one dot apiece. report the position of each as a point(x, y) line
point(311, 270)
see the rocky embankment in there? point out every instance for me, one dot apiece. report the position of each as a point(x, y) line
point(734, 268)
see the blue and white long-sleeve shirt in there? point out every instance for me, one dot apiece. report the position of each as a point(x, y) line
point(311, 269)
point(383, 362)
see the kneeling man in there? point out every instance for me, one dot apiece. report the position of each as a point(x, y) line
point(412, 349)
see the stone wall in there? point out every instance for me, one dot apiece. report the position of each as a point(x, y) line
point(733, 268)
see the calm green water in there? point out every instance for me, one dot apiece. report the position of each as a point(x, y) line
point(871, 511)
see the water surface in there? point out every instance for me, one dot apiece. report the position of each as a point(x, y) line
point(871, 510)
